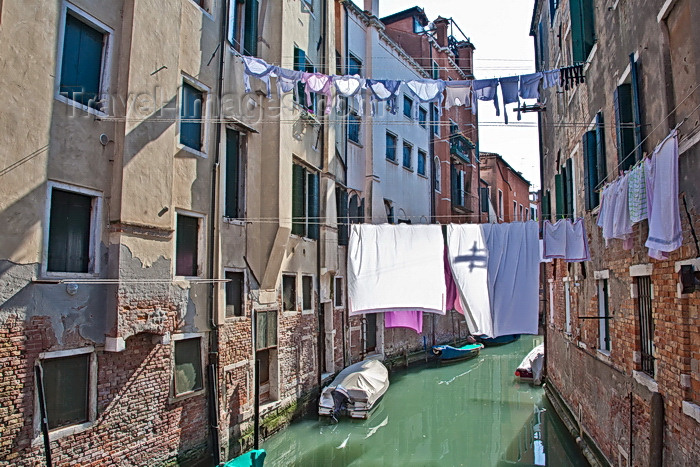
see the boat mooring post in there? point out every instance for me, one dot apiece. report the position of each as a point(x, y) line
point(256, 426)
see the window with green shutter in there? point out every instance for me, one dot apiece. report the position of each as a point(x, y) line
point(234, 175)
point(191, 106)
point(250, 29)
point(81, 62)
point(313, 221)
point(582, 29)
point(391, 142)
point(305, 202)
point(66, 384)
point(559, 194)
point(341, 200)
point(590, 168)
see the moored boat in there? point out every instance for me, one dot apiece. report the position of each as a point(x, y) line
point(530, 369)
point(355, 391)
point(447, 353)
point(500, 340)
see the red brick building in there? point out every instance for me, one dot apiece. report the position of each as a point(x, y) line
point(454, 133)
point(508, 191)
point(622, 330)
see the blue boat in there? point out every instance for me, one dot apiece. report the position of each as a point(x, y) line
point(254, 458)
point(447, 353)
point(500, 340)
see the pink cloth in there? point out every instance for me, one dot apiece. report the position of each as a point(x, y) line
point(452, 298)
point(411, 319)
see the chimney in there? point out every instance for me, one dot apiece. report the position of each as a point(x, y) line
point(441, 33)
point(372, 7)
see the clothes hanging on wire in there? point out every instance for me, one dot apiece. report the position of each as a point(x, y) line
point(513, 276)
point(426, 91)
point(509, 90)
point(565, 239)
point(606, 214)
point(287, 80)
point(571, 76)
point(384, 90)
point(468, 258)
point(349, 87)
point(530, 86)
point(258, 68)
point(486, 90)
point(551, 78)
point(396, 267)
point(622, 225)
point(411, 319)
point(457, 93)
point(320, 84)
point(637, 197)
point(665, 234)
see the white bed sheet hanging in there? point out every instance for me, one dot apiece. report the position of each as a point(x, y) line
point(396, 267)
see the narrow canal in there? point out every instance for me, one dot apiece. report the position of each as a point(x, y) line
point(472, 413)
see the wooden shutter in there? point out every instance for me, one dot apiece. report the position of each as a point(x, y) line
point(569, 189)
point(453, 184)
point(559, 194)
point(191, 113)
point(590, 169)
point(313, 208)
point(298, 200)
point(250, 32)
point(66, 382)
point(341, 200)
point(601, 161)
point(232, 189)
point(69, 232)
point(624, 120)
point(81, 64)
point(577, 42)
point(187, 236)
point(484, 199)
point(546, 206)
point(636, 108)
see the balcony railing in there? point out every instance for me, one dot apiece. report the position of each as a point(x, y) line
point(461, 147)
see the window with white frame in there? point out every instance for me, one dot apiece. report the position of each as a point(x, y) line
point(192, 116)
point(69, 385)
point(391, 144)
point(407, 154)
point(500, 204)
point(515, 211)
point(187, 366)
point(421, 161)
point(437, 174)
point(188, 245)
point(306, 221)
point(72, 237)
point(266, 346)
point(83, 68)
point(567, 298)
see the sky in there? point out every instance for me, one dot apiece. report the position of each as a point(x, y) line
point(500, 31)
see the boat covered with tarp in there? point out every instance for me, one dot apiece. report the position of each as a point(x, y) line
point(355, 391)
point(530, 369)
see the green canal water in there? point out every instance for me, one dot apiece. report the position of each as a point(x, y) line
point(472, 413)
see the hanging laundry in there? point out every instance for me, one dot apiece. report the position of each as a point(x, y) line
point(425, 91)
point(530, 86)
point(384, 90)
point(349, 86)
point(457, 93)
point(665, 234)
point(513, 276)
point(637, 193)
point(396, 267)
point(411, 319)
point(606, 214)
point(486, 90)
point(469, 258)
point(319, 84)
point(551, 78)
point(554, 239)
point(452, 302)
point(509, 90)
point(260, 69)
point(622, 225)
point(571, 76)
point(287, 80)
point(576, 241)
point(542, 258)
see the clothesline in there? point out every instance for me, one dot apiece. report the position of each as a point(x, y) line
point(464, 93)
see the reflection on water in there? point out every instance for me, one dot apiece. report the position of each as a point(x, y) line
point(472, 413)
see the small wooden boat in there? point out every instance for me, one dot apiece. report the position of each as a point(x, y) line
point(254, 458)
point(447, 353)
point(500, 340)
point(355, 390)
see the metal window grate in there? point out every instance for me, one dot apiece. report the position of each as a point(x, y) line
point(646, 324)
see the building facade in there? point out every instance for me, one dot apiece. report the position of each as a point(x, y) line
point(508, 191)
point(622, 330)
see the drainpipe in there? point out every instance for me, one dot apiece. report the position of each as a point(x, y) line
point(320, 319)
point(213, 370)
point(345, 169)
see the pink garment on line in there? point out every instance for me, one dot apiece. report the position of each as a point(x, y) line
point(453, 301)
point(320, 84)
point(411, 319)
